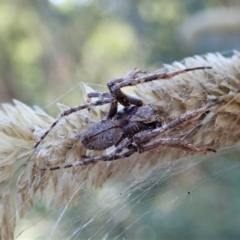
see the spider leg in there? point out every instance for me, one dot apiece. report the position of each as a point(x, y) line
point(189, 133)
point(151, 77)
point(70, 111)
point(132, 74)
point(132, 79)
point(117, 153)
point(113, 104)
point(147, 135)
point(174, 143)
point(122, 98)
point(101, 95)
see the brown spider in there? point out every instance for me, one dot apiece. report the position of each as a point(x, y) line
point(132, 128)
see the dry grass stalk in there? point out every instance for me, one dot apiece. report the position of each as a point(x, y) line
point(21, 127)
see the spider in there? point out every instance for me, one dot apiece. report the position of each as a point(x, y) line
point(132, 128)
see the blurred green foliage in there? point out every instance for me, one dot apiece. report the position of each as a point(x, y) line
point(48, 47)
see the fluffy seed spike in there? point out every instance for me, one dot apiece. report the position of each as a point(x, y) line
point(22, 126)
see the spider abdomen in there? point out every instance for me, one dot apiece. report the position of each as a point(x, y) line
point(102, 135)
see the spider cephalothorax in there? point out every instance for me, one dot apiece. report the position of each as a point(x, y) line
point(134, 128)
